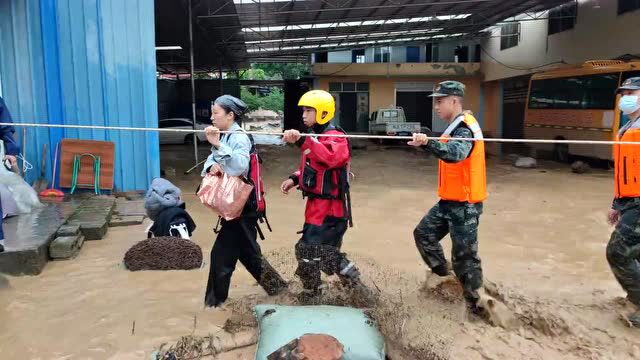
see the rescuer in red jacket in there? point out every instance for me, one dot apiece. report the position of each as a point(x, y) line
point(323, 178)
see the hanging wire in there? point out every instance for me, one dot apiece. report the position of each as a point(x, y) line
point(349, 136)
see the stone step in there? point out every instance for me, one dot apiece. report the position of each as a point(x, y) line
point(93, 217)
point(27, 238)
point(68, 230)
point(65, 247)
point(126, 220)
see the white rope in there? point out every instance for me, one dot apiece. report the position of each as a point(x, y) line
point(26, 166)
point(350, 136)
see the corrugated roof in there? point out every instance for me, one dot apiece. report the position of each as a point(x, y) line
point(272, 29)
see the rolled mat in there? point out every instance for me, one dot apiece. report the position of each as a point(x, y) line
point(163, 253)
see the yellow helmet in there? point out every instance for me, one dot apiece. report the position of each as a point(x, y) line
point(322, 101)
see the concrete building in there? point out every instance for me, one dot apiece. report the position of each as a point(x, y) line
point(496, 68)
point(364, 80)
point(577, 32)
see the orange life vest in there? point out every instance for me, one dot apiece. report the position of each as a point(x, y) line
point(627, 163)
point(464, 181)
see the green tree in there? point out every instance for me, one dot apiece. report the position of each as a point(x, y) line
point(273, 101)
point(283, 71)
point(253, 74)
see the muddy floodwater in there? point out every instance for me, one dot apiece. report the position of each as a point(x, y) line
point(542, 240)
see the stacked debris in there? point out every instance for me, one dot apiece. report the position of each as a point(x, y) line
point(163, 253)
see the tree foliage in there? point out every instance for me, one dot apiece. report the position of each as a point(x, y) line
point(273, 101)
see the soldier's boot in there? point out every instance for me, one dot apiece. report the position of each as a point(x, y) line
point(442, 269)
point(310, 297)
point(476, 302)
point(350, 278)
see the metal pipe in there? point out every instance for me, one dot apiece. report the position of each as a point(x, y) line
point(194, 166)
point(221, 80)
point(193, 85)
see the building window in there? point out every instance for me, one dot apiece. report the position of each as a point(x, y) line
point(579, 92)
point(428, 53)
point(321, 57)
point(461, 54)
point(381, 55)
point(348, 87)
point(562, 18)
point(363, 86)
point(509, 35)
point(628, 5)
point(357, 56)
point(477, 54)
point(413, 54)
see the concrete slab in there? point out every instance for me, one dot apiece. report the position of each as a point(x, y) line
point(93, 217)
point(94, 230)
point(68, 230)
point(130, 208)
point(126, 220)
point(65, 247)
point(130, 195)
point(27, 238)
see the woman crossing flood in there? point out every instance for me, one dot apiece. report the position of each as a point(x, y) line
point(237, 239)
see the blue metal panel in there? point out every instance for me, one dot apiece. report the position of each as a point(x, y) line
point(55, 100)
point(22, 72)
point(128, 47)
point(99, 70)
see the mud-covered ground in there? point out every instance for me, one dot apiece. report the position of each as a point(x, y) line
point(542, 242)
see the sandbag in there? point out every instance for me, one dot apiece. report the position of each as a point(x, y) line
point(25, 197)
point(279, 325)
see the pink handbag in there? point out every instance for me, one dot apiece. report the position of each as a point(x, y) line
point(225, 194)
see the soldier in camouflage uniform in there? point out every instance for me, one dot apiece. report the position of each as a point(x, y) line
point(623, 250)
point(461, 187)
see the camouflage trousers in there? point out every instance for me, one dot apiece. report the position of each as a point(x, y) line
point(623, 253)
point(460, 220)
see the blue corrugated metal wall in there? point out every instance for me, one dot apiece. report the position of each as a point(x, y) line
point(22, 71)
point(96, 66)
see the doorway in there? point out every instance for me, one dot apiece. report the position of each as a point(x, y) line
point(348, 111)
point(418, 107)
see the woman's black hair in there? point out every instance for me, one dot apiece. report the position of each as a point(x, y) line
point(232, 104)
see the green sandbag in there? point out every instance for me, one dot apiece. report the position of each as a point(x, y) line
point(355, 331)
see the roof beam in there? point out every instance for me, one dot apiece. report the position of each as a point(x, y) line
point(359, 38)
point(346, 46)
point(393, 5)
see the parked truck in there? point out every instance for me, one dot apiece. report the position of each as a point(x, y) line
point(392, 122)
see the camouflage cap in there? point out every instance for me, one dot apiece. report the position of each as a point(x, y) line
point(448, 88)
point(630, 84)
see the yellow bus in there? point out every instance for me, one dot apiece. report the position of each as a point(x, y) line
point(576, 103)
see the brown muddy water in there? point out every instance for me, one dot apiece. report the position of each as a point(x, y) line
point(542, 240)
